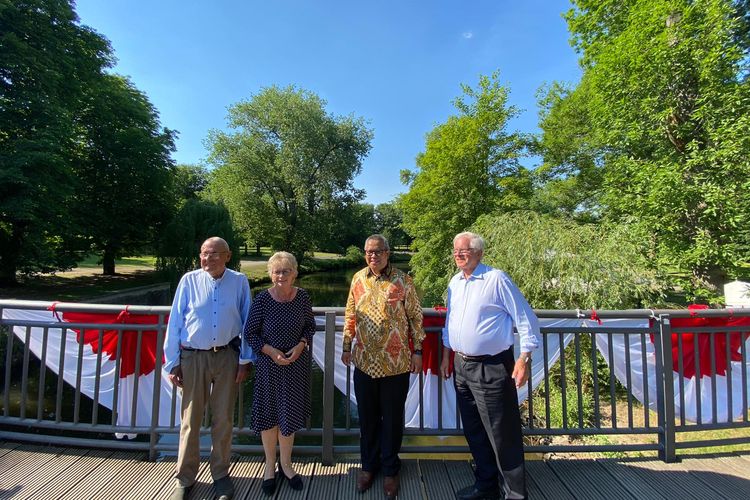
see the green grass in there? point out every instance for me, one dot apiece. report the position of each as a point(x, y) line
point(94, 261)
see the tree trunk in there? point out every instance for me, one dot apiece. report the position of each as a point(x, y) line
point(108, 263)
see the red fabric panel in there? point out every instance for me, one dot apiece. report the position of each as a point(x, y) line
point(704, 343)
point(432, 342)
point(129, 338)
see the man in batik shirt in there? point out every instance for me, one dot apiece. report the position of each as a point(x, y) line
point(382, 314)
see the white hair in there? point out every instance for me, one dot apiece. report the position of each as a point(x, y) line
point(475, 241)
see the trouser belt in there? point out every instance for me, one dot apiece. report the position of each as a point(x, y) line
point(234, 343)
point(481, 357)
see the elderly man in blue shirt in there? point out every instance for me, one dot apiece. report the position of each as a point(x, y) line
point(483, 306)
point(206, 357)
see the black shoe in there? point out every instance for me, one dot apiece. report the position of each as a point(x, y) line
point(269, 486)
point(224, 488)
point(473, 493)
point(295, 482)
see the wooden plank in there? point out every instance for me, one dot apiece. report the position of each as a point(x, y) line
point(587, 480)
point(460, 473)
point(325, 481)
point(5, 447)
point(246, 472)
point(714, 475)
point(158, 481)
point(630, 480)
point(671, 481)
point(410, 480)
point(541, 479)
point(25, 479)
point(19, 454)
point(734, 465)
point(348, 485)
point(100, 476)
point(73, 474)
point(437, 483)
point(122, 483)
point(15, 477)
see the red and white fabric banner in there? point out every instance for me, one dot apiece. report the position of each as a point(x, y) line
point(696, 380)
point(431, 372)
point(105, 372)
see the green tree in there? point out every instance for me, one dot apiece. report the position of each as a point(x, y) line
point(669, 96)
point(287, 166)
point(182, 238)
point(188, 183)
point(389, 222)
point(470, 167)
point(47, 61)
point(347, 225)
point(124, 171)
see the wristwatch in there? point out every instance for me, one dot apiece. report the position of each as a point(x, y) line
point(527, 358)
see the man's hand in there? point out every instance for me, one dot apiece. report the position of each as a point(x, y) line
point(175, 376)
point(445, 364)
point(416, 363)
point(522, 370)
point(243, 371)
point(346, 357)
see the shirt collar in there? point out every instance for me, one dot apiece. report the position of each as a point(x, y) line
point(386, 273)
point(477, 274)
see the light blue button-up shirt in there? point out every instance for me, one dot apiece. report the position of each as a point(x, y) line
point(206, 313)
point(482, 311)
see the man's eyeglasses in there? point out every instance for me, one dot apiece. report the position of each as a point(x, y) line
point(281, 272)
point(210, 255)
point(375, 253)
point(462, 252)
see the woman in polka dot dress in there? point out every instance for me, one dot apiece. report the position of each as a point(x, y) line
point(280, 328)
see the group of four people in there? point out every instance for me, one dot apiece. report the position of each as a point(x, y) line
point(215, 332)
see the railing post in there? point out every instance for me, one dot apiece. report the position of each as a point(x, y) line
point(156, 400)
point(328, 388)
point(667, 418)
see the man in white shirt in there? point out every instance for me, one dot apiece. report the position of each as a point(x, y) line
point(206, 357)
point(483, 306)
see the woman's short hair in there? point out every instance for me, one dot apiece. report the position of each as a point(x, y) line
point(282, 260)
point(475, 241)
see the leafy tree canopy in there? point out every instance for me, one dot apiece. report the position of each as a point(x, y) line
point(470, 167)
point(287, 167)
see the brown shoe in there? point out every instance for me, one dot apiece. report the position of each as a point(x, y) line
point(364, 480)
point(390, 486)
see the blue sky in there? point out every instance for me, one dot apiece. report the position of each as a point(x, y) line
point(397, 64)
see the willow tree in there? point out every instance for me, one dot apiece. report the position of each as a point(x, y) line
point(286, 166)
point(470, 167)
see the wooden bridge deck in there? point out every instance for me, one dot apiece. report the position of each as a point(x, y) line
point(28, 471)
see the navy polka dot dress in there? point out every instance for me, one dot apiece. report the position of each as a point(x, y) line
point(282, 393)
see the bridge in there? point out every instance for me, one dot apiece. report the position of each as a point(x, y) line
point(610, 382)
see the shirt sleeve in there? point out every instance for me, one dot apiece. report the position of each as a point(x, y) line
point(521, 312)
point(413, 313)
point(350, 316)
point(254, 326)
point(175, 326)
point(446, 340)
point(247, 353)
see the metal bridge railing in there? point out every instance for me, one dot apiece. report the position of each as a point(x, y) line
point(579, 395)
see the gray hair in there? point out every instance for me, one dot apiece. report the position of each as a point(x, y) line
point(381, 239)
point(284, 259)
point(475, 241)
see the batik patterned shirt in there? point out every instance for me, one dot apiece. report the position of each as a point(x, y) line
point(382, 314)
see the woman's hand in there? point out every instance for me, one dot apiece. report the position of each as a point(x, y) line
point(276, 355)
point(296, 351)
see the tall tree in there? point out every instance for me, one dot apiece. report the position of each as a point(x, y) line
point(669, 96)
point(188, 183)
point(47, 61)
point(389, 222)
point(124, 171)
point(470, 167)
point(288, 164)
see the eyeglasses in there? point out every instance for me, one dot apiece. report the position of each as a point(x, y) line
point(375, 253)
point(210, 255)
point(281, 272)
point(463, 252)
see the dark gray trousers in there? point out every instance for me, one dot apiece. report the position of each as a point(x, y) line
point(488, 401)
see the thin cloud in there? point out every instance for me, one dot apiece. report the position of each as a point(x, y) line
point(467, 34)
